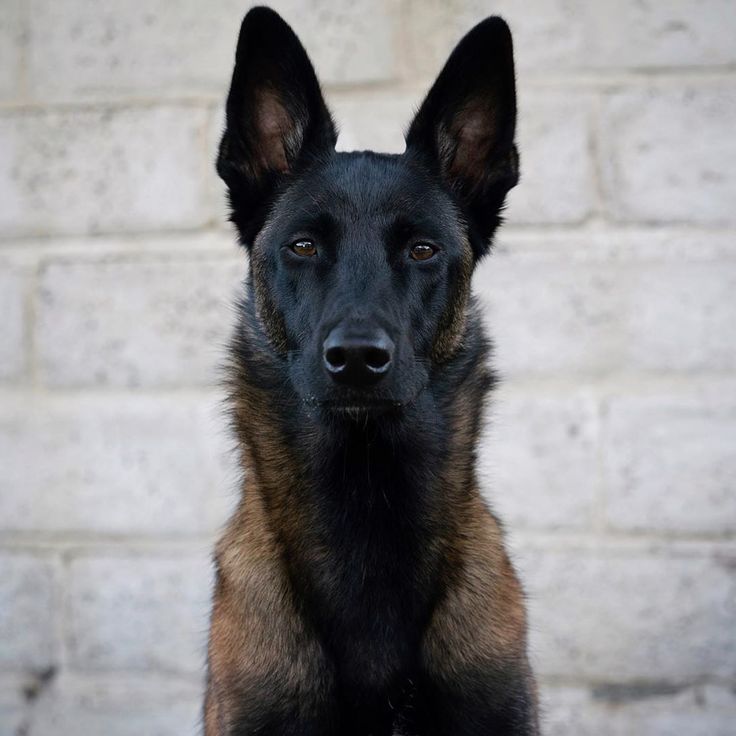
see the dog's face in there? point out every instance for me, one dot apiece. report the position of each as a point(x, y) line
point(363, 259)
point(361, 262)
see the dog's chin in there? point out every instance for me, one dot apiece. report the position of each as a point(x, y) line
point(355, 409)
point(390, 400)
point(360, 405)
point(355, 405)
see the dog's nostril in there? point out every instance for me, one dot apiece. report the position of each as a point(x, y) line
point(377, 359)
point(357, 359)
point(336, 358)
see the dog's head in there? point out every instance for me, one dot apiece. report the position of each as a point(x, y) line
point(361, 262)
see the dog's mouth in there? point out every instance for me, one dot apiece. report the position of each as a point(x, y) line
point(355, 405)
point(357, 411)
point(359, 404)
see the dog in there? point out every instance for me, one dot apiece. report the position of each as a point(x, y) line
point(362, 586)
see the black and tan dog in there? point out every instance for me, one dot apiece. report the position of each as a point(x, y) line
point(362, 584)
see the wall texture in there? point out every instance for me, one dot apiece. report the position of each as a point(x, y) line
point(612, 296)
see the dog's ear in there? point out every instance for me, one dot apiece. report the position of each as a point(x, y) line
point(276, 117)
point(465, 127)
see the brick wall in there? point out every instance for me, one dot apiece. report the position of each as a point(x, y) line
point(612, 296)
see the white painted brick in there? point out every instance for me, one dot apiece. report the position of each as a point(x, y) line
point(565, 35)
point(659, 304)
point(118, 706)
point(142, 322)
point(374, 120)
point(12, 325)
point(676, 33)
point(556, 183)
point(104, 49)
point(671, 464)
point(669, 154)
point(87, 171)
point(218, 190)
point(139, 613)
point(27, 610)
point(633, 247)
point(11, 47)
point(558, 311)
point(539, 460)
point(680, 316)
point(122, 464)
point(349, 43)
point(709, 710)
point(550, 315)
point(12, 707)
point(630, 616)
point(547, 35)
point(170, 719)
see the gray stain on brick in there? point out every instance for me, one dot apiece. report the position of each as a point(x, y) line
point(615, 692)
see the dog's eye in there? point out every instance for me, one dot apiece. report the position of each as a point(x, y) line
point(305, 248)
point(422, 251)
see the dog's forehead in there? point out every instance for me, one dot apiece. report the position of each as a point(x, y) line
point(367, 185)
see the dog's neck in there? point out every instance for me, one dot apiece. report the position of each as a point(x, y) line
point(354, 463)
point(385, 494)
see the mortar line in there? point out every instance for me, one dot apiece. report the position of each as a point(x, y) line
point(74, 543)
point(573, 78)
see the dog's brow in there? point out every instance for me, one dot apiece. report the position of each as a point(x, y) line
point(404, 226)
point(318, 221)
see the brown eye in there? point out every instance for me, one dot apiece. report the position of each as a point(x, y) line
point(422, 251)
point(304, 248)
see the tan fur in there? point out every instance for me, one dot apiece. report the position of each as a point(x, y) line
point(482, 615)
point(452, 325)
point(257, 631)
point(272, 319)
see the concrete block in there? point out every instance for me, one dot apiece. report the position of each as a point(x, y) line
point(538, 459)
point(116, 706)
point(374, 120)
point(670, 461)
point(680, 316)
point(566, 35)
point(181, 49)
point(28, 608)
point(13, 361)
point(12, 38)
point(556, 183)
point(136, 322)
point(12, 706)
point(547, 35)
point(117, 465)
point(658, 710)
point(628, 616)
point(675, 34)
point(550, 316)
point(139, 613)
point(669, 155)
point(103, 170)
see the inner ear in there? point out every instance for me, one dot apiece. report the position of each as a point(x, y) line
point(472, 135)
point(277, 131)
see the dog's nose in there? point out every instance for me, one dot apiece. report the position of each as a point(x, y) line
point(357, 359)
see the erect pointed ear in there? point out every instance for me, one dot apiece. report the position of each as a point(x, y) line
point(276, 117)
point(465, 127)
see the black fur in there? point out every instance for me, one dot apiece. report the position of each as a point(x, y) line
point(369, 511)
